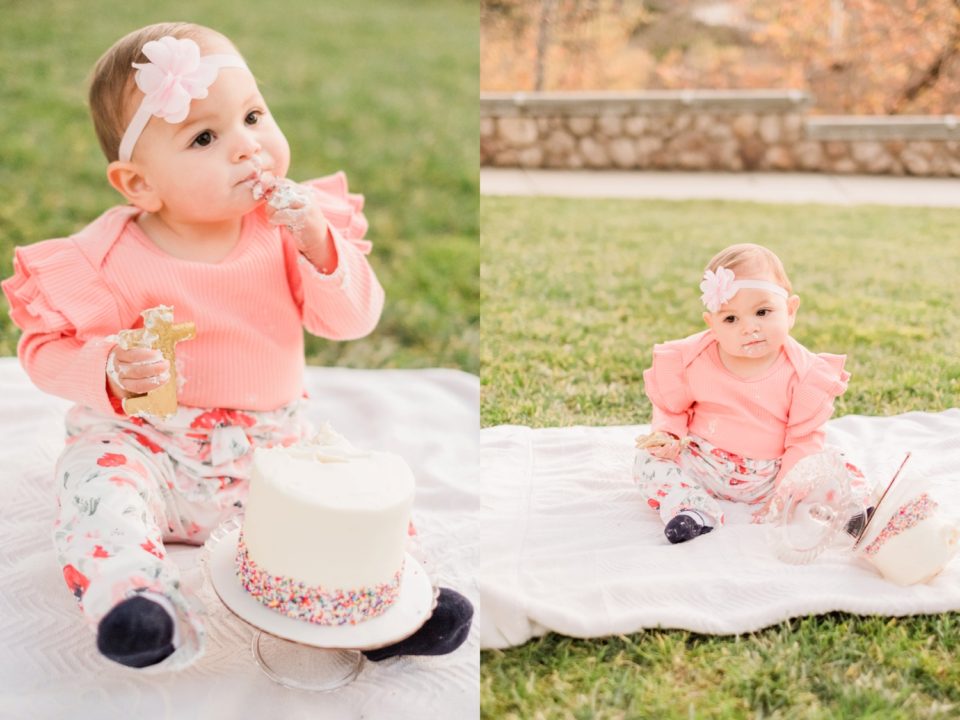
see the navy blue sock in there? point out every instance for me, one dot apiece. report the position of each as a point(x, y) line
point(137, 632)
point(856, 524)
point(686, 526)
point(443, 632)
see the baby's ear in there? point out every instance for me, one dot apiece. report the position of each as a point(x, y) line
point(129, 181)
point(793, 302)
point(708, 319)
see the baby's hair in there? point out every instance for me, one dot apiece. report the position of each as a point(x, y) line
point(112, 85)
point(750, 260)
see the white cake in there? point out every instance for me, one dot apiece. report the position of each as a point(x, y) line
point(325, 529)
point(909, 542)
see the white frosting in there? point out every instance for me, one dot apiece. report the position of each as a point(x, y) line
point(916, 554)
point(146, 337)
point(326, 514)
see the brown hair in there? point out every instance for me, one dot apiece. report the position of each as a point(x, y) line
point(112, 84)
point(750, 260)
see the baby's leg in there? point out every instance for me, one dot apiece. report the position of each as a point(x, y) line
point(677, 497)
point(109, 540)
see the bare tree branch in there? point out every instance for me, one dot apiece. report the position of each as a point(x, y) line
point(932, 74)
point(543, 41)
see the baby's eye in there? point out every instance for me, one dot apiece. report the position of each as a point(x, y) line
point(730, 319)
point(253, 117)
point(763, 312)
point(203, 139)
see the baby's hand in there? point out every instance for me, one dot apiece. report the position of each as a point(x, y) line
point(670, 451)
point(291, 204)
point(661, 445)
point(136, 371)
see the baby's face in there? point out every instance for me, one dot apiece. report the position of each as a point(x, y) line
point(753, 324)
point(203, 168)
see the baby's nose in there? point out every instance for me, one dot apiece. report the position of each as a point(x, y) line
point(247, 148)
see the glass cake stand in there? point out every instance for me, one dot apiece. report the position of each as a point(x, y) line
point(299, 654)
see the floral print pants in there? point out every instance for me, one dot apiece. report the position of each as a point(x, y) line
point(126, 486)
point(704, 474)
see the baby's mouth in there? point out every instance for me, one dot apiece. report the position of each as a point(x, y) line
point(258, 188)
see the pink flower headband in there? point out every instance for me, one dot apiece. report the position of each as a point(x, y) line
point(720, 286)
point(175, 75)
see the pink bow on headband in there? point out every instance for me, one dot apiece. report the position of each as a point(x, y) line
point(717, 287)
point(720, 286)
point(174, 76)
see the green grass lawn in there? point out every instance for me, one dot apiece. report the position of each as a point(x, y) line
point(574, 295)
point(387, 92)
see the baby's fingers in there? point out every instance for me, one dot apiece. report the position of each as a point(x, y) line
point(143, 370)
point(265, 184)
point(137, 355)
point(145, 385)
point(138, 370)
point(269, 181)
point(665, 452)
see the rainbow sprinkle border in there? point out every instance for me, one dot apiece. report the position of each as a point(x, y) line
point(918, 509)
point(311, 602)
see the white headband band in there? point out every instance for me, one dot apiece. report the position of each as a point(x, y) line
point(718, 287)
point(175, 75)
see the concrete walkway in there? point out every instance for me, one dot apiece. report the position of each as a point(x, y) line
point(753, 187)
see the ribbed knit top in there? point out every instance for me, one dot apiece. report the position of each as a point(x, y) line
point(70, 295)
point(778, 414)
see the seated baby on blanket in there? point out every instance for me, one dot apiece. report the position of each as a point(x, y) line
point(214, 231)
point(737, 405)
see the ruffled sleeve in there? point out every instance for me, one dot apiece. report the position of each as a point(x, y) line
point(812, 406)
point(665, 383)
point(346, 303)
point(64, 310)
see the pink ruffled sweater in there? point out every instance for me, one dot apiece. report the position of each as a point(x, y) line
point(69, 295)
point(778, 414)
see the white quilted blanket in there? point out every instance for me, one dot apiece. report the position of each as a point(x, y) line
point(568, 546)
point(49, 666)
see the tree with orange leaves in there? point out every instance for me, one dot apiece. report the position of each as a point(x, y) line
point(854, 56)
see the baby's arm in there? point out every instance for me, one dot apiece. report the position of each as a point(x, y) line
point(78, 371)
point(810, 409)
point(799, 447)
point(67, 367)
point(671, 422)
point(289, 204)
point(665, 383)
point(344, 303)
point(67, 315)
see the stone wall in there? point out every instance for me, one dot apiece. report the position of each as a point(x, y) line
point(708, 130)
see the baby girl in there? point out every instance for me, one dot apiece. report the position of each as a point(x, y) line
point(736, 406)
point(214, 230)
